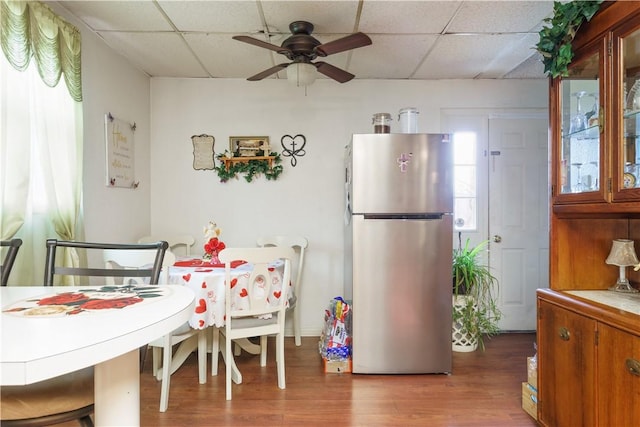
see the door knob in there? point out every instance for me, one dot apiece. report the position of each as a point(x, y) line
point(497, 238)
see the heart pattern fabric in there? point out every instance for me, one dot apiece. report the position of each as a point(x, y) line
point(208, 284)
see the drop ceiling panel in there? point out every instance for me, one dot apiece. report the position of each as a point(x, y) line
point(532, 67)
point(402, 17)
point(119, 15)
point(328, 17)
point(214, 16)
point(515, 49)
point(387, 57)
point(158, 55)
point(499, 16)
point(456, 55)
point(224, 57)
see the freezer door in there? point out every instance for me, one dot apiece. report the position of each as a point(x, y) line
point(400, 173)
point(401, 295)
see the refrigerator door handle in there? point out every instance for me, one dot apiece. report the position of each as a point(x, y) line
point(429, 216)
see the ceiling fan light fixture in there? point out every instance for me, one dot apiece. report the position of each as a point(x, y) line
point(301, 74)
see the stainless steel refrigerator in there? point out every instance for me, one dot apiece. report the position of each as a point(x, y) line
point(398, 251)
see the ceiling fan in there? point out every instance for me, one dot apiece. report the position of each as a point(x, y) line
point(302, 48)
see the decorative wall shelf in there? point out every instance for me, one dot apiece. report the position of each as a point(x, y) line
point(229, 161)
point(249, 166)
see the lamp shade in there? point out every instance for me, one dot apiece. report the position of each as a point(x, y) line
point(622, 253)
point(301, 74)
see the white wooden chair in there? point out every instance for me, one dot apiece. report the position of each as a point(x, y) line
point(174, 242)
point(299, 244)
point(246, 323)
point(162, 347)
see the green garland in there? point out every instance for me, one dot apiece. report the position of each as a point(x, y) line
point(555, 40)
point(250, 169)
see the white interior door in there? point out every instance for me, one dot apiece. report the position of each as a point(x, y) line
point(519, 215)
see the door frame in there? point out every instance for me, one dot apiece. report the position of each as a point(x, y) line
point(477, 120)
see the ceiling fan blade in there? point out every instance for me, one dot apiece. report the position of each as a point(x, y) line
point(261, 43)
point(337, 74)
point(349, 42)
point(268, 72)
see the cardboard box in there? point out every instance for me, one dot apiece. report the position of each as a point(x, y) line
point(530, 400)
point(532, 373)
point(337, 366)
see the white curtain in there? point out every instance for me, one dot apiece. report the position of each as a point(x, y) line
point(40, 167)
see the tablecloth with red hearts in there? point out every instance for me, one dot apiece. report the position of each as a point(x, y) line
point(208, 285)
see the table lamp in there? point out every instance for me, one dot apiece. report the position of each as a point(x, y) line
point(623, 255)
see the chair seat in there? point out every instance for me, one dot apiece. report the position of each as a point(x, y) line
point(51, 397)
point(253, 322)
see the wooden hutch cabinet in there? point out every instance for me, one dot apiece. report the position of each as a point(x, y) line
point(588, 336)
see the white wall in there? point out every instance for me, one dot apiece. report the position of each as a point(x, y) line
point(309, 198)
point(111, 85)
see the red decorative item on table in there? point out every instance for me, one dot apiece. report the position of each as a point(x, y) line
point(213, 245)
point(212, 248)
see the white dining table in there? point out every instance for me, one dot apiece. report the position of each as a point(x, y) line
point(44, 336)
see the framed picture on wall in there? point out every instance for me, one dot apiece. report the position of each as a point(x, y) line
point(203, 157)
point(120, 152)
point(249, 146)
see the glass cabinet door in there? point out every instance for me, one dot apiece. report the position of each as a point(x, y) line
point(626, 172)
point(580, 153)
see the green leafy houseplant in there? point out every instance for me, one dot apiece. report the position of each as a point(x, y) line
point(478, 314)
point(250, 169)
point(555, 40)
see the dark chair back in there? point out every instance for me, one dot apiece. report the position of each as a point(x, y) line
point(52, 270)
point(9, 258)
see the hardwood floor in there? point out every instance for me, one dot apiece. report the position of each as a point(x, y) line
point(484, 390)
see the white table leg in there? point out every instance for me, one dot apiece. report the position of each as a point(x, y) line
point(188, 346)
point(117, 391)
point(247, 346)
point(185, 348)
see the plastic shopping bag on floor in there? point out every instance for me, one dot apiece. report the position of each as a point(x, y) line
point(335, 342)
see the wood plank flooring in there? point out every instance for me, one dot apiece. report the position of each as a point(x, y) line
point(484, 390)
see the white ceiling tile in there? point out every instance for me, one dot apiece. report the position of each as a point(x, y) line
point(139, 15)
point(500, 16)
point(159, 55)
point(214, 16)
point(510, 49)
point(455, 56)
point(402, 17)
point(224, 57)
point(391, 57)
point(531, 68)
point(328, 17)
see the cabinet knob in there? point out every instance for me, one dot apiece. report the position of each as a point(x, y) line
point(633, 366)
point(564, 333)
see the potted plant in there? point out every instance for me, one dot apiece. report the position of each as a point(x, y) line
point(475, 310)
